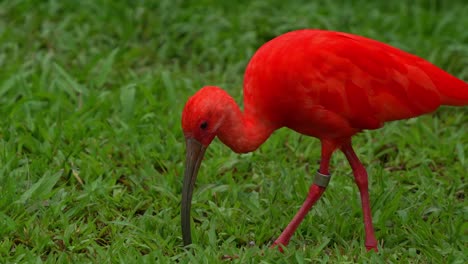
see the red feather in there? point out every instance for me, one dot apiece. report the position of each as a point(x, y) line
point(325, 84)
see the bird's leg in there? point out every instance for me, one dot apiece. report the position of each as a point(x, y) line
point(360, 176)
point(315, 192)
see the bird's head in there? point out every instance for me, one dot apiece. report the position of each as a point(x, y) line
point(202, 116)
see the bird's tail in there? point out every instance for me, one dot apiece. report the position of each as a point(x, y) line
point(453, 91)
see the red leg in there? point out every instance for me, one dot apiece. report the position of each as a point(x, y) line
point(315, 192)
point(360, 176)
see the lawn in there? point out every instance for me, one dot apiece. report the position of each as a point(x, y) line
point(92, 152)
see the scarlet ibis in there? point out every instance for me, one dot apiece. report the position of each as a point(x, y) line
point(325, 84)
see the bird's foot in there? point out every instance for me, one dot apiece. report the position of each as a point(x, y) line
point(279, 245)
point(372, 246)
point(229, 257)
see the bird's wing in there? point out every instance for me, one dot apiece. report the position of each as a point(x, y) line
point(369, 82)
point(352, 78)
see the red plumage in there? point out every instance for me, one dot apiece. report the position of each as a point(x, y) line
point(358, 82)
point(325, 84)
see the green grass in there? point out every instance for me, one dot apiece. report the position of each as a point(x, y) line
point(91, 149)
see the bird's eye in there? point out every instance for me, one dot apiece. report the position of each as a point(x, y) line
point(204, 125)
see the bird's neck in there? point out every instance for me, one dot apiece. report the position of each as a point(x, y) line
point(243, 132)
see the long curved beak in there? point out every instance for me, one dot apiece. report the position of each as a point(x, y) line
point(194, 156)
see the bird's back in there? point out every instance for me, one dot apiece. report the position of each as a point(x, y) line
point(352, 79)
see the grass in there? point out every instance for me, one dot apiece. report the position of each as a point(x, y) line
point(92, 152)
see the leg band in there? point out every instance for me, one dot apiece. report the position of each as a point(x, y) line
point(322, 180)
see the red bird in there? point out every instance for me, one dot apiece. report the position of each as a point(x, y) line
point(325, 84)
